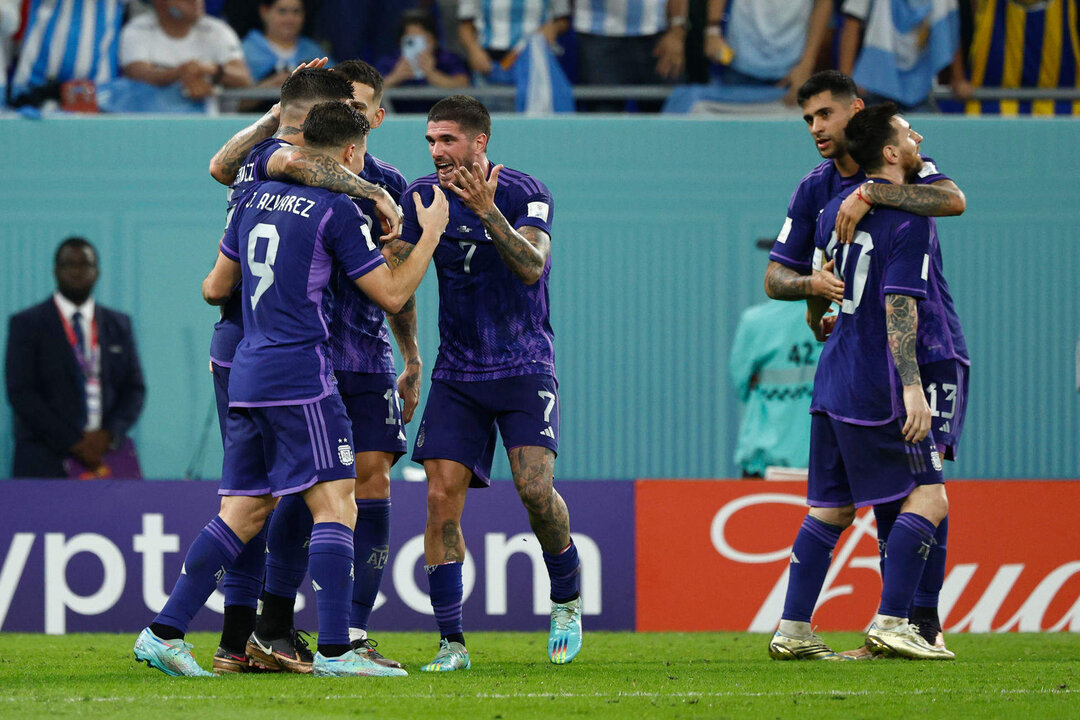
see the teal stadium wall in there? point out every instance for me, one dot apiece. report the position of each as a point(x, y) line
point(653, 261)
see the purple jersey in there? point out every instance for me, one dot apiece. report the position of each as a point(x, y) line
point(229, 330)
point(491, 324)
point(359, 341)
point(856, 380)
point(940, 334)
point(285, 237)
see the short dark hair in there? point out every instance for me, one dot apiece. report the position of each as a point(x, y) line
point(358, 71)
point(836, 82)
point(334, 124)
point(73, 242)
point(418, 17)
point(270, 3)
point(314, 85)
point(868, 132)
point(468, 112)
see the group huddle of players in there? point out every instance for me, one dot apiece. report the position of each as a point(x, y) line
point(323, 243)
point(317, 252)
point(890, 391)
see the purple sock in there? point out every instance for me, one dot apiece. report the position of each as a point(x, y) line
point(244, 581)
point(933, 575)
point(909, 544)
point(444, 582)
point(331, 561)
point(564, 570)
point(810, 558)
point(208, 559)
point(287, 546)
point(884, 517)
point(372, 549)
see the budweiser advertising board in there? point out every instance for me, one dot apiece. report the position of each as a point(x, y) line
point(713, 555)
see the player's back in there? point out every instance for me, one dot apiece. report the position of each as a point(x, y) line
point(794, 246)
point(229, 330)
point(285, 238)
point(856, 379)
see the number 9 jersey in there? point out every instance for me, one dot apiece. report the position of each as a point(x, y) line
point(286, 238)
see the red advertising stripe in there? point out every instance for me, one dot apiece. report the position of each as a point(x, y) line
point(713, 555)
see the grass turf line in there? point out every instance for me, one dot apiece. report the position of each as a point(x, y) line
point(617, 675)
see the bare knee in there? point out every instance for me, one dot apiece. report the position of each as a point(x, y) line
point(929, 501)
point(373, 475)
point(245, 516)
point(839, 516)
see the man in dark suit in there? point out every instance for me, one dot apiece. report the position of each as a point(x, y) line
point(73, 374)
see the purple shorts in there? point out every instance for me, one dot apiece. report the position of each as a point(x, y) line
point(221, 395)
point(372, 404)
point(285, 449)
point(460, 418)
point(946, 385)
point(866, 464)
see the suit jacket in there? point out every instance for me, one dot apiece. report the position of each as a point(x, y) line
point(47, 390)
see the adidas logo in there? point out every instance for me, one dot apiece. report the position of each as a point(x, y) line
point(315, 586)
point(945, 427)
point(795, 559)
point(548, 432)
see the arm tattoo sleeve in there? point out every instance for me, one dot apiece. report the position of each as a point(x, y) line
point(925, 200)
point(783, 283)
point(232, 155)
point(902, 324)
point(525, 252)
point(306, 167)
point(403, 322)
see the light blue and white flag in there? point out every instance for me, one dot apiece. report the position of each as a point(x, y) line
point(906, 43)
point(542, 86)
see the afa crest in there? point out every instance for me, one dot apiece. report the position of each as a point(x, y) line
point(345, 453)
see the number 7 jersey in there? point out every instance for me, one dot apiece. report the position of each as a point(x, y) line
point(286, 238)
point(491, 324)
point(856, 380)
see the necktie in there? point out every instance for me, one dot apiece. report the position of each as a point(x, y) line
point(80, 338)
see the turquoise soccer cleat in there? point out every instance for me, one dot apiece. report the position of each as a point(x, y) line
point(564, 639)
point(451, 656)
point(172, 657)
point(351, 664)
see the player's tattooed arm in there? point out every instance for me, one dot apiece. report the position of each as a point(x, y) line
point(525, 250)
point(902, 323)
point(784, 283)
point(305, 166)
point(403, 325)
point(227, 161)
point(941, 199)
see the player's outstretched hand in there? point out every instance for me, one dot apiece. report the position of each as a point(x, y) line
point(476, 192)
point(825, 284)
point(852, 210)
point(917, 424)
point(316, 63)
point(390, 216)
point(435, 216)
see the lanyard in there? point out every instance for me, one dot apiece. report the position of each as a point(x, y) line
point(89, 364)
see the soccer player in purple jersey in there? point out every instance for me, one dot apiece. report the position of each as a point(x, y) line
point(242, 585)
point(287, 432)
point(495, 367)
point(284, 157)
point(829, 100)
point(364, 369)
point(871, 440)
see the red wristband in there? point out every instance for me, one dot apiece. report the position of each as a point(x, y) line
point(858, 194)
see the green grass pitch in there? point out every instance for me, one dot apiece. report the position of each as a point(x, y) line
point(617, 675)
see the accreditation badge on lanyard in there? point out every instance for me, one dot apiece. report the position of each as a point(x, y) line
point(90, 363)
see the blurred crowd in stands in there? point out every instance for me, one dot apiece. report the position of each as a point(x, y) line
point(172, 55)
